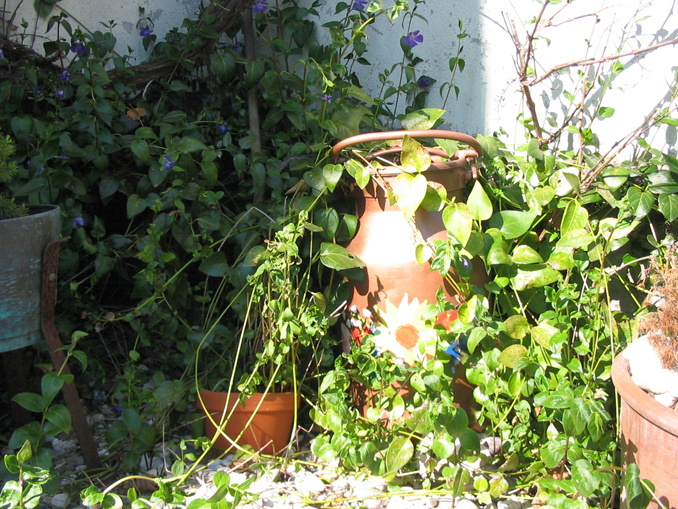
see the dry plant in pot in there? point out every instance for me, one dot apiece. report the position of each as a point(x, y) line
point(646, 377)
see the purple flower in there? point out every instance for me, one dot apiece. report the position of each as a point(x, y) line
point(413, 38)
point(145, 31)
point(2, 55)
point(259, 7)
point(60, 94)
point(79, 48)
point(78, 222)
point(117, 409)
point(424, 82)
point(327, 98)
point(168, 163)
point(65, 75)
point(223, 128)
point(359, 5)
point(37, 92)
point(239, 47)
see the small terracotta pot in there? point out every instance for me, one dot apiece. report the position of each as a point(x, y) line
point(269, 432)
point(649, 436)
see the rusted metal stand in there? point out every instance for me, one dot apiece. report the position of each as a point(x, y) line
point(49, 333)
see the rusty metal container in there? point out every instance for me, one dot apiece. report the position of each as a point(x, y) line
point(649, 436)
point(22, 242)
point(385, 240)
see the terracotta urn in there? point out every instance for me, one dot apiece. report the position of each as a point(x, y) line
point(649, 436)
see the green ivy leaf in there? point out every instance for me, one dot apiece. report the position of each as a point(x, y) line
point(414, 158)
point(512, 355)
point(30, 401)
point(215, 265)
point(542, 275)
point(668, 206)
point(543, 333)
point(640, 201)
point(135, 205)
point(422, 119)
point(132, 419)
point(190, 144)
point(60, 417)
point(328, 220)
point(141, 150)
point(525, 255)
point(436, 194)
point(553, 453)
point(458, 221)
point(517, 326)
point(223, 65)
point(637, 495)
point(410, 191)
point(359, 172)
point(512, 223)
point(25, 453)
point(398, 454)
point(337, 257)
point(479, 203)
point(51, 384)
point(332, 174)
point(615, 177)
point(575, 218)
point(443, 445)
point(314, 178)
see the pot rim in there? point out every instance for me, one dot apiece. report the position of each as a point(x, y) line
point(641, 402)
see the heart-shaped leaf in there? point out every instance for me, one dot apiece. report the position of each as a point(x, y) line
point(410, 191)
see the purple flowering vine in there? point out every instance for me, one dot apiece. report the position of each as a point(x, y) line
point(359, 5)
point(60, 94)
point(259, 7)
point(79, 48)
point(327, 98)
point(168, 163)
point(223, 128)
point(145, 31)
point(65, 75)
point(413, 38)
point(78, 222)
point(424, 82)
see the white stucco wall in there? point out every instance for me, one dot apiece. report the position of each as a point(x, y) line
point(489, 93)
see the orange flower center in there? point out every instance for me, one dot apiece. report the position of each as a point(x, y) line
point(407, 335)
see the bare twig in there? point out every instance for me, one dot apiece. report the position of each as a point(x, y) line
point(608, 58)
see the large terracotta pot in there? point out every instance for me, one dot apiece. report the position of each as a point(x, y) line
point(270, 429)
point(23, 242)
point(385, 241)
point(649, 436)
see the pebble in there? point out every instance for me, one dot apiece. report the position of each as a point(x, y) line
point(308, 483)
point(59, 500)
point(296, 487)
point(465, 504)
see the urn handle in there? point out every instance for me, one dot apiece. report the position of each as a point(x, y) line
point(460, 158)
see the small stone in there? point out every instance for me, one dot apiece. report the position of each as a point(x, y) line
point(509, 504)
point(465, 504)
point(368, 488)
point(309, 483)
point(60, 500)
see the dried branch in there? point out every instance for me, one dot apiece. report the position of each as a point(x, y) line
point(651, 120)
point(590, 61)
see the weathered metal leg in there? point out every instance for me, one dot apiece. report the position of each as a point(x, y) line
point(49, 332)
